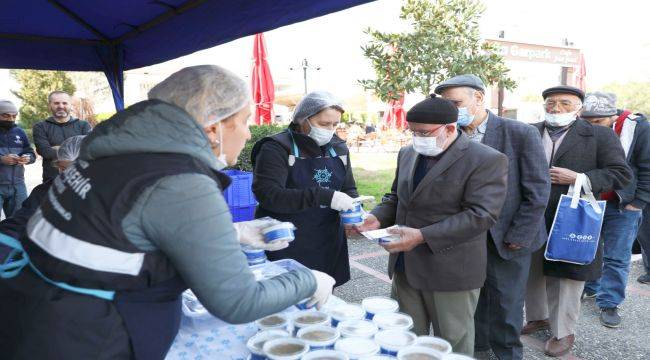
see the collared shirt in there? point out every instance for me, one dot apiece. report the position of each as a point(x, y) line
point(478, 134)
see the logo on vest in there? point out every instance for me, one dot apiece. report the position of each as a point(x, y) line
point(322, 176)
point(18, 140)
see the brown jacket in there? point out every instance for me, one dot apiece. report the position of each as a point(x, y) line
point(455, 205)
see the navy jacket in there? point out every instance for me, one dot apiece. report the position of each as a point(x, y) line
point(522, 218)
point(14, 141)
point(637, 192)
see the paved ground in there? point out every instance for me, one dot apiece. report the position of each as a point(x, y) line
point(595, 342)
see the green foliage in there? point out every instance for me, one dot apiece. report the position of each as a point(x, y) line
point(104, 116)
point(35, 86)
point(257, 133)
point(633, 96)
point(444, 41)
point(374, 183)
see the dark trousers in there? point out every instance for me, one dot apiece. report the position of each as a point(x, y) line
point(500, 315)
point(644, 238)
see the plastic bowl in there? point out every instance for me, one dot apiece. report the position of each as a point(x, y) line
point(275, 321)
point(256, 343)
point(435, 343)
point(378, 304)
point(392, 341)
point(326, 355)
point(357, 348)
point(346, 312)
point(420, 353)
point(319, 336)
point(357, 328)
point(393, 321)
point(285, 349)
point(306, 318)
point(280, 232)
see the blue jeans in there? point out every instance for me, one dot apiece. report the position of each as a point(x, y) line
point(12, 197)
point(619, 232)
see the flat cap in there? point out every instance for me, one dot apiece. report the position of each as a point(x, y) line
point(564, 89)
point(433, 110)
point(465, 80)
point(599, 104)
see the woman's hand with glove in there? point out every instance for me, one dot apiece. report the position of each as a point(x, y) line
point(324, 286)
point(250, 233)
point(342, 202)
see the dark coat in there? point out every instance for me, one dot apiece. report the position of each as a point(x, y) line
point(14, 141)
point(269, 157)
point(529, 184)
point(49, 133)
point(454, 206)
point(637, 192)
point(596, 152)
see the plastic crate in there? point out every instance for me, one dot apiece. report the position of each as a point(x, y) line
point(240, 193)
point(243, 213)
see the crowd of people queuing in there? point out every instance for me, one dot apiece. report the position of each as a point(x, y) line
point(130, 214)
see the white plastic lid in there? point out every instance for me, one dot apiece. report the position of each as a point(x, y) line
point(329, 335)
point(357, 328)
point(280, 226)
point(325, 355)
point(379, 304)
point(310, 317)
point(435, 343)
point(393, 340)
point(285, 349)
point(257, 341)
point(356, 347)
point(420, 353)
point(397, 320)
point(348, 312)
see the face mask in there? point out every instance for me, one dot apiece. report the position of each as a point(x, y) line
point(464, 117)
point(222, 162)
point(321, 136)
point(560, 119)
point(427, 146)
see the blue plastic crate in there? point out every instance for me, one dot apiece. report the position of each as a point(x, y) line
point(240, 193)
point(243, 213)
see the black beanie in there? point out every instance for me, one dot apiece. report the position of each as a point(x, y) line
point(433, 110)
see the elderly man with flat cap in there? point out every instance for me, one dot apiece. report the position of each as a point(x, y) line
point(624, 207)
point(519, 230)
point(572, 146)
point(447, 193)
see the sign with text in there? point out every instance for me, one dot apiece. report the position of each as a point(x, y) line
point(564, 56)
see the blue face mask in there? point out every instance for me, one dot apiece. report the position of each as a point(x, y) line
point(464, 118)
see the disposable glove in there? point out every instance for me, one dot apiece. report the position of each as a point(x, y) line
point(324, 286)
point(342, 202)
point(250, 233)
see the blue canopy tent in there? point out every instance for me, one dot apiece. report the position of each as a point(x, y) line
point(117, 35)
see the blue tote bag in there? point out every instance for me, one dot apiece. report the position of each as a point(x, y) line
point(575, 232)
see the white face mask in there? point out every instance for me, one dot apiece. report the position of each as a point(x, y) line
point(560, 119)
point(321, 136)
point(427, 146)
point(222, 162)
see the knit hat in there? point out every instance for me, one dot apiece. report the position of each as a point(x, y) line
point(433, 110)
point(7, 107)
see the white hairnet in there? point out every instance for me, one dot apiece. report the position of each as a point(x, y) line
point(313, 103)
point(209, 93)
point(69, 148)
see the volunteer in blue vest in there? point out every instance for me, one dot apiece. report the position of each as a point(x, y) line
point(137, 219)
point(303, 175)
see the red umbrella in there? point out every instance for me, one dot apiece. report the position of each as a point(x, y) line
point(395, 115)
point(581, 74)
point(263, 88)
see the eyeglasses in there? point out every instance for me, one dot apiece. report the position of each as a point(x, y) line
point(430, 133)
point(563, 104)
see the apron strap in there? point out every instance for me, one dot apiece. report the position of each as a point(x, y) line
point(296, 152)
point(18, 259)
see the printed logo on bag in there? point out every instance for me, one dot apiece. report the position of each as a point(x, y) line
point(581, 238)
point(322, 176)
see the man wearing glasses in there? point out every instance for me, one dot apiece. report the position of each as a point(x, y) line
point(448, 191)
point(15, 152)
point(519, 230)
point(572, 146)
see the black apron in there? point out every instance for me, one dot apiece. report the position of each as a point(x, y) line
point(320, 242)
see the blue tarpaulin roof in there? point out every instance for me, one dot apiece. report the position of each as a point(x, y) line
point(117, 35)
